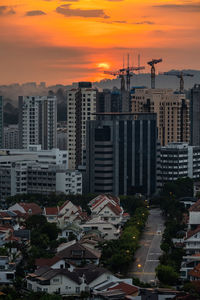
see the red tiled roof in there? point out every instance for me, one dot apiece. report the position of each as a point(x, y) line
point(31, 208)
point(51, 211)
point(195, 272)
point(62, 206)
point(41, 262)
point(192, 232)
point(115, 208)
point(126, 214)
point(195, 206)
point(126, 288)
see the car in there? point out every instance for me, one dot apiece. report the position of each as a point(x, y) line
point(159, 232)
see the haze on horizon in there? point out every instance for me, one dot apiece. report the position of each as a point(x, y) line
point(66, 41)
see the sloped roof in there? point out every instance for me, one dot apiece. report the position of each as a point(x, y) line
point(41, 262)
point(195, 272)
point(69, 252)
point(33, 207)
point(62, 206)
point(195, 206)
point(192, 232)
point(90, 273)
point(115, 208)
point(51, 211)
point(126, 288)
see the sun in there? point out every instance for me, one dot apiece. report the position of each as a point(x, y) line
point(103, 65)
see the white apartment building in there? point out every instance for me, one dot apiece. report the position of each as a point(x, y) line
point(37, 121)
point(178, 160)
point(25, 173)
point(81, 104)
point(44, 157)
point(11, 137)
point(172, 110)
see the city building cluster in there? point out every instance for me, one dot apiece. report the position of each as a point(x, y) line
point(119, 142)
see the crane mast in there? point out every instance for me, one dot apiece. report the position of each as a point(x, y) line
point(125, 74)
point(153, 71)
point(179, 75)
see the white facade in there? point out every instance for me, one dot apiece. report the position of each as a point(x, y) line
point(37, 121)
point(107, 230)
point(44, 157)
point(81, 104)
point(7, 271)
point(69, 182)
point(192, 243)
point(25, 173)
point(178, 160)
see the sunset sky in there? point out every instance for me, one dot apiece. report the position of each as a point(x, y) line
point(60, 41)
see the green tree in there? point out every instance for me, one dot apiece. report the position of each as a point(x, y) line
point(167, 274)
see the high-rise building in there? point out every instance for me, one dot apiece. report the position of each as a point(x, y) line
point(195, 115)
point(121, 153)
point(1, 122)
point(11, 137)
point(115, 100)
point(81, 104)
point(178, 160)
point(172, 111)
point(37, 121)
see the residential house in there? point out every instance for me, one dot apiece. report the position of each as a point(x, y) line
point(194, 215)
point(192, 241)
point(194, 274)
point(54, 263)
point(79, 254)
point(108, 208)
point(67, 282)
point(51, 214)
point(66, 214)
point(188, 263)
point(96, 224)
point(7, 270)
point(26, 208)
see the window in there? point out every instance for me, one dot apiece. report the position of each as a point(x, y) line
point(77, 289)
point(56, 280)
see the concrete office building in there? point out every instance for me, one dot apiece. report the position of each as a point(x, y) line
point(195, 115)
point(38, 121)
point(81, 104)
point(178, 160)
point(44, 157)
point(22, 174)
point(1, 122)
point(172, 111)
point(121, 153)
point(11, 137)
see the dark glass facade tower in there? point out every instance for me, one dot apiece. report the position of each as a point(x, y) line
point(121, 153)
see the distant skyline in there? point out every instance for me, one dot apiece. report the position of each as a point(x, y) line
point(60, 41)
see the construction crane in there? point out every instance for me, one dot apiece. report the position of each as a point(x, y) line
point(125, 73)
point(180, 75)
point(152, 63)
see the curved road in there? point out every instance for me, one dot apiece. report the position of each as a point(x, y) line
point(147, 256)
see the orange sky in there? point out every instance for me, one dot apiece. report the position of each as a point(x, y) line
point(60, 41)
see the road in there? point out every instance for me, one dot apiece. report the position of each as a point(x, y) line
point(147, 256)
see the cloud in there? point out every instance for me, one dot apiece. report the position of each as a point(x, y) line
point(33, 13)
point(66, 11)
point(188, 7)
point(143, 23)
point(6, 10)
point(115, 0)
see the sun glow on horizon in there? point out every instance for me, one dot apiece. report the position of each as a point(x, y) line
point(103, 65)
